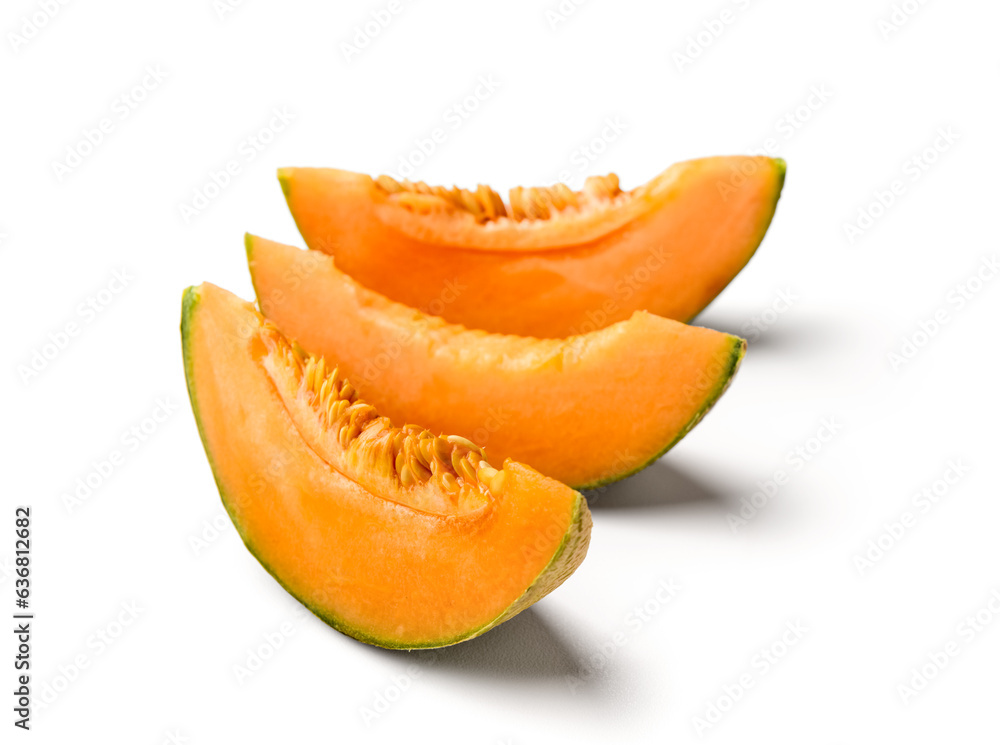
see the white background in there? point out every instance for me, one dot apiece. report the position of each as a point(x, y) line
point(554, 674)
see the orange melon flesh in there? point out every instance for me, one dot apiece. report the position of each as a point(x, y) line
point(561, 263)
point(392, 564)
point(585, 410)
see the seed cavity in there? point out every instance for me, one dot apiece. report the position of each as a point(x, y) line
point(486, 205)
point(410, 455)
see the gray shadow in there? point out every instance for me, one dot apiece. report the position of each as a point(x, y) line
point(660, 485)
point(787, 334)
point(527, 647)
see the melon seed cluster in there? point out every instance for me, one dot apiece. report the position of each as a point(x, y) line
point(411, 455)
point(526, 203)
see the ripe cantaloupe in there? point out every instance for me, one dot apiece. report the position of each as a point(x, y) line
point(390, 534)
point(586, 410)
point(549, 262)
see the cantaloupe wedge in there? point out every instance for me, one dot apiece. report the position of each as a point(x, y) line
point(549, 262)
point(391, 535)
point(586, 410)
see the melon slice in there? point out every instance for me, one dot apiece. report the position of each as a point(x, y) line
point(391, 535)
point(549, 262)
point(586, 410)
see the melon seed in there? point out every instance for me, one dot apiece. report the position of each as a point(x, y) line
point(406, 476)
point(419, 470)
point(496, 482)
point(466, 470)
point(468, 444)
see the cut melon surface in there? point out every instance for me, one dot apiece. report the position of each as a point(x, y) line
point(548, 262)
point(391, 535)
point(586, 410)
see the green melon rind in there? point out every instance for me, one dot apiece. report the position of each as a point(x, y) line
point(286, 189)
point(248, 246)
point(285, 181)
point(567, 557)
point(738, 350)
